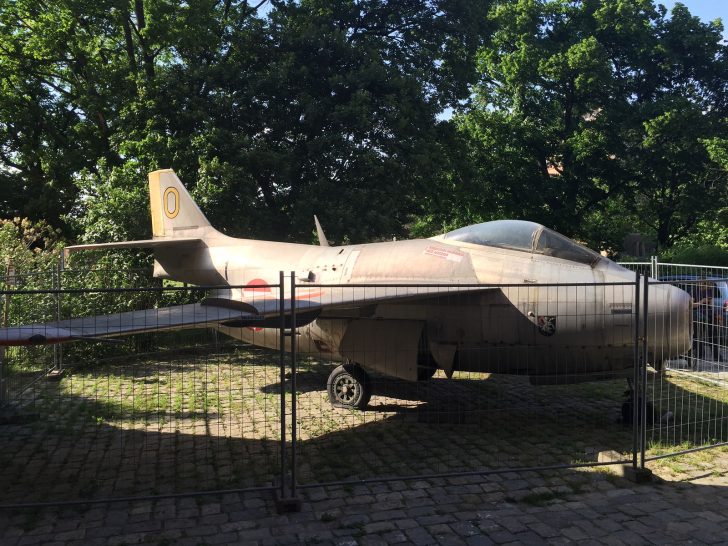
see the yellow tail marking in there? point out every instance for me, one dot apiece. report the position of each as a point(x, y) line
point(154, 198)
point(171, 202)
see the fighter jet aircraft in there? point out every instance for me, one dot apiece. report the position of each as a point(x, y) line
point(489, 297)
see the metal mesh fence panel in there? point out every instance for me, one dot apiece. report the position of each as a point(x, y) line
point(708, 287)
point(20, 369)
point(466, 381)
point(159, 412)
point(457, 379)
point(687, 389)
point(643, 268)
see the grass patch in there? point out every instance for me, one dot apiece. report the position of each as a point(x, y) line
point(190, 421)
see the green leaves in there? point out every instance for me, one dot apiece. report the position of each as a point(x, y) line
point(597, 104)
point(321, 106)
point(570, 113)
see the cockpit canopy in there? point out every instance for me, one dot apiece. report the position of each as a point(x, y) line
point(525, 236)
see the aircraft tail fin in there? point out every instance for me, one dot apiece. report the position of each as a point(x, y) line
point(174, 213)
point(320, 232)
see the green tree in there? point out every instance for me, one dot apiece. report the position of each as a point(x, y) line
point(591, 116)
point(320, 106)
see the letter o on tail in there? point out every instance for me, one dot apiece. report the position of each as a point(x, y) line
point(171, 202)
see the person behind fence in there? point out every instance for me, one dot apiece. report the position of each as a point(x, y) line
point(703, 320)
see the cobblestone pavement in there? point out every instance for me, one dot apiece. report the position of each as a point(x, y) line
point(185, 425)
point(565, 507)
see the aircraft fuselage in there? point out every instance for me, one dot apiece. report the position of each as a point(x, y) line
point(582, 329)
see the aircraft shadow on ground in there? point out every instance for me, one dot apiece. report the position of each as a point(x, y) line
point(88, 443)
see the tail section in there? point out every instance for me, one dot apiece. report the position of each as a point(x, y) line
point(174, 212)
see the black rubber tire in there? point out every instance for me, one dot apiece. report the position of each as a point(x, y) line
point(348, 387)
point(627, 412)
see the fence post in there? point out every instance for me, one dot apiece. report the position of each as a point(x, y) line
point(282, 364)
point(287, 501)
point(294, 401)
point(6, 314)
point(637, 472)
point(61, 269)
point(54, 287)
point(2, 377)
point(643, 371)
point(636, 372)
point(653, 267)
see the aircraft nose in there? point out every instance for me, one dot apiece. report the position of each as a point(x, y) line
point(669, 332)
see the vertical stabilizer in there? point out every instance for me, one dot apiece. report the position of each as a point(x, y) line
point(320, 232)
point(174, 212)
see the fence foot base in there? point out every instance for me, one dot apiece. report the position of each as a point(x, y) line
point(286, 505)
point(55, 375)
point(637, 475)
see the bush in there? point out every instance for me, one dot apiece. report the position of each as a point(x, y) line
point(33, 250)
point(703, 255)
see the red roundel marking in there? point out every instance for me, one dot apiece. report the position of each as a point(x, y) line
point(257, 285)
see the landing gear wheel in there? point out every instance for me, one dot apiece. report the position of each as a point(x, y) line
point(348, 387)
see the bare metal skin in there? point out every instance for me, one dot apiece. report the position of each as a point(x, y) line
point(553, 334)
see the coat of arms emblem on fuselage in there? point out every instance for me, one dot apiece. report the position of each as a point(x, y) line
point(546, 325)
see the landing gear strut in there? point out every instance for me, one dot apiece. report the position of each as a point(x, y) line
point(627, 407)
point(348, 387)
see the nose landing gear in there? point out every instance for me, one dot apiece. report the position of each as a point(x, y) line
point(628, 407)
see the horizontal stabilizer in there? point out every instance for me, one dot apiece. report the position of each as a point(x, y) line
point(148, 243)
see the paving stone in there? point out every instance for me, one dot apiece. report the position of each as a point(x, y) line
point(33, 539)
point(372, 541)
point(253, 534)
point(435, 519)
point(529, 538)
point(214, 519)
point(447, 511)
point(512, 524)
point(394, 537)
point(479, 540)
point(387, 515)
point(379, 527)
point(179, 523)
point(465, 529)
point(103, 532)
point(201, 530)
point(449, 540)
point(131, 538)
point(543, 530)
point(574, 533)
point(502, 536)
point(419, 536)
point(346, 541)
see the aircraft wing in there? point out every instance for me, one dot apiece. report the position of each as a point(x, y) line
point(132, 322)
point(309, 302)
point(312, 299)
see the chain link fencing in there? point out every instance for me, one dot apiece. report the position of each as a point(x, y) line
point(511, 377)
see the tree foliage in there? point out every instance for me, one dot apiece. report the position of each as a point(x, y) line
point(594, 117)
point(591, 113)
point(321, 106)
